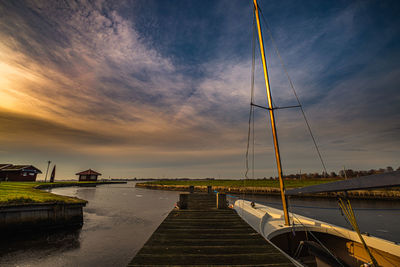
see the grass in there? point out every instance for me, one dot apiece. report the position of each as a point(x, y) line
point(26, 193)
point(244, 183)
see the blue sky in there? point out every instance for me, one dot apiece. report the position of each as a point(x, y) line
point(162, 88)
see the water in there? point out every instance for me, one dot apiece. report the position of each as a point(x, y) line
point(119, 219)
point(376, 217)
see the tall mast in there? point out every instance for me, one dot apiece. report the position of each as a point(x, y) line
point(272, 116)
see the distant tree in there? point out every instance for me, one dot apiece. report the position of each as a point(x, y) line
point(389, 169)
point(350, 173)
point(398, 169)
point(333, 175)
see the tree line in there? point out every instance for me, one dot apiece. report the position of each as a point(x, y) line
point(345, 173)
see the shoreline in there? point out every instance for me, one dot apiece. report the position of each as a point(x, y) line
point(273, 191)
point(56, 212)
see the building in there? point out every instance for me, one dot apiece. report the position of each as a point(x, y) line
point(18, 173)
point(88, 175)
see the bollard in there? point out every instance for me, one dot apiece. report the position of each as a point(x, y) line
point(209, 190)
point(183, 201)
point(191, 189)
point(221, 201)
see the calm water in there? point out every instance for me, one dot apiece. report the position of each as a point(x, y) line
point(120, 218)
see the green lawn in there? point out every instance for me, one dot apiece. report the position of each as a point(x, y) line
point(244, 183)
point(25, 193)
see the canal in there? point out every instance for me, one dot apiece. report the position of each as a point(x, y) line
point(120, 218)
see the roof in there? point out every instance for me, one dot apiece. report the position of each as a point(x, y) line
point(11, 167)
point(88, 172)
point(4, 165)
point(388, 179)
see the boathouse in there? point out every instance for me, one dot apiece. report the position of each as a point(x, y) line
point(88, 175)
point(18, 173)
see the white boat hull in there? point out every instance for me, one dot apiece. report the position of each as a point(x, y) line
point(269, 222)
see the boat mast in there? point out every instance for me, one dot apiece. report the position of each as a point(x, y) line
point(272, 116)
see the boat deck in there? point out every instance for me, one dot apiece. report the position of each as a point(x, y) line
point(194, 237)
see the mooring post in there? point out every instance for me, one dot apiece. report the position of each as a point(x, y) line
point(209, 189)
point(221, 201)
point(191, 188)
point(183, 201)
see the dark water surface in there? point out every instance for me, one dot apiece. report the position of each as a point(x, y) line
point(380, 218)
point(120, 218)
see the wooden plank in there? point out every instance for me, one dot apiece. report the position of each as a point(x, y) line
point(207, 237)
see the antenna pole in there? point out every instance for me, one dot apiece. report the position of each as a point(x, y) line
point(272, 116)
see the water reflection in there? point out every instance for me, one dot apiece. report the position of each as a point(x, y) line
point(118, 220)
point(38, 244)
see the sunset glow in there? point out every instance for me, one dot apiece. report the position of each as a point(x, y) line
point(162, 89)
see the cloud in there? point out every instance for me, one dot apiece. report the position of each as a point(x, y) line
point(120, 82)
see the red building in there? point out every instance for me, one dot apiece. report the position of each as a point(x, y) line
point(18, 173)
point(88, 175)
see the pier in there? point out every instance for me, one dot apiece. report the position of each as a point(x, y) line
point(203, 231)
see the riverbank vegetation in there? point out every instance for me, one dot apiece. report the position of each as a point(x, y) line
point(289, 183)
point(17, 193)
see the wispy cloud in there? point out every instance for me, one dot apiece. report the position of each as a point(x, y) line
point(96, 79)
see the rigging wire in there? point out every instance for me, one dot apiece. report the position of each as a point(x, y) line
point(293, 89)
point(250, 131)
point(251, 114)
point(319, 242)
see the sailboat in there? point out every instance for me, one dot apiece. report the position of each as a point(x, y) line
point(309, 242)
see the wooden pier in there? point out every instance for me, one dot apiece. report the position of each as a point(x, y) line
point(199, 233)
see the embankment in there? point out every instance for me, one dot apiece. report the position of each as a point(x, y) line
point(22, 214)
point(356, 194)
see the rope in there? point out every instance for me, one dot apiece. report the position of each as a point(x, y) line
point(349, 213)
point(294, 91)
point(319, 242)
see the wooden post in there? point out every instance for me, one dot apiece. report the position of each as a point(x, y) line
point(209, 190)
point(221, 201)
point(183, 201)
point(191, 189)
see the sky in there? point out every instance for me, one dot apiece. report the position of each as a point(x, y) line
point(161, 89)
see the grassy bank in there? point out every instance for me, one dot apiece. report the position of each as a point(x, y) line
point(243, 183)
point(266, 187)
point(14, 193)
